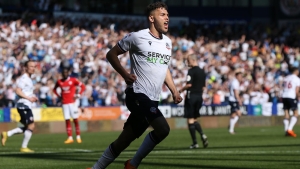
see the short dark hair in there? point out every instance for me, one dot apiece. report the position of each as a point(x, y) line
point(238, 73)
point(151, 7)
point(294, 69)
point(27, 62)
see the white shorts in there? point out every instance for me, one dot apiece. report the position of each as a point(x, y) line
point(71, 110)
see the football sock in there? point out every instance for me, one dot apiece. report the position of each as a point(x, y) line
point(69, 128)
point(286, 124)
point(192, 130)
point(232, 123)
point(150, 141)
point(27, 136)
point(293, 121)
point(107, 157)
point(198, 128)
point(18, 130)
point(77, 128)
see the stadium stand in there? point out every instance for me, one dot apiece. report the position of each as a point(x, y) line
point(262, 52)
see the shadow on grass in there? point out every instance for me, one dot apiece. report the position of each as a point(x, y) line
point(85, 157)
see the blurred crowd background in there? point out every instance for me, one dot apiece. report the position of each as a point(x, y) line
point(263, 52)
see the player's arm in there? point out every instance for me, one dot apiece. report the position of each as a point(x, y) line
point(189, 81)
point(21, 94)
point(170, 84)
point(55, 90)
point(237, 95)
point(297, 92)
point(112, 57)
point(81, 85)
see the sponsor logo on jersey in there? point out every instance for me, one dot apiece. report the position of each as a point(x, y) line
point(150, 43)
point(153, 110)
point(154, 57)
point(66, 88)
point(70, 82)
point(168, 46)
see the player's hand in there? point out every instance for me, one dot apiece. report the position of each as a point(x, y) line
point(177, 98)
point(33, 99)
point(130, 78)
point(77, 96)
point(241, 103)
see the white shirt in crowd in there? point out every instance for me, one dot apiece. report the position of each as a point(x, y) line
point(291, 82)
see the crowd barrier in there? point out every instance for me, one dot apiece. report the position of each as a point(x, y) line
point(122, 113)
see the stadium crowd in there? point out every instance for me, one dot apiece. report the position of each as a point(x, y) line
point(262, 52)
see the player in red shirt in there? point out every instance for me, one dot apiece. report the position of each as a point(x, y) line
point(70, 102)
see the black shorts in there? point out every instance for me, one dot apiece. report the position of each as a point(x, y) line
point(235, 106)
point(192, 106)
point(26, 116)
point(142, 111)
point(289, 104)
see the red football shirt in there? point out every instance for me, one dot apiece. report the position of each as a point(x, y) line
point(68, 89)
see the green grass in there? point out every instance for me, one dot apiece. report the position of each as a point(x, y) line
point(251, 148)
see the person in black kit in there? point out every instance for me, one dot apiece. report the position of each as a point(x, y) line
point(193, 100)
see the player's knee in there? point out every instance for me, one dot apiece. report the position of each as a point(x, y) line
point(31, 126)
point(163, 132)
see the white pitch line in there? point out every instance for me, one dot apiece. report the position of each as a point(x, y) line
point(50, 151)
point(68, 150)
point(215, 152)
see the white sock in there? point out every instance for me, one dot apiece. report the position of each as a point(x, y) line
point(14, 131)
point(27, 136)
point(293, 121)
point(286, 124)
point(232, 123)
point(78, 137)
point(70, 137)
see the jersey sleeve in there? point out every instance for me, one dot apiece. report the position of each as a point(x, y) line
point(189, 78)
point(235, 85)
point(20, 83)
point(76, 82)
point(127, 42)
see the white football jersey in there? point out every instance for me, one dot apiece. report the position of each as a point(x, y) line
point(234, 85)
point(25, 83)
point(290, 83)
point(150, 58)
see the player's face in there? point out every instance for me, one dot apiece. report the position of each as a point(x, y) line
point(65, 73)
point(161, 20)
point(189, 61)
point(240, 77)
point(31, 67)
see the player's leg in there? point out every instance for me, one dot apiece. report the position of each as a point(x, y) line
point(234, 117)
point(18, 130)
point(188, 114)
point(293, 119)
point(134, 127)
point(67, 116)
point(74, 115)
point(286, 119)
point(128, 135)
point(197, 125)
point(29, 127)
point(192, 130)
point(160, 132)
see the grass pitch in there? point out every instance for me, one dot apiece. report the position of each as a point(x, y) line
point(250, 148)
